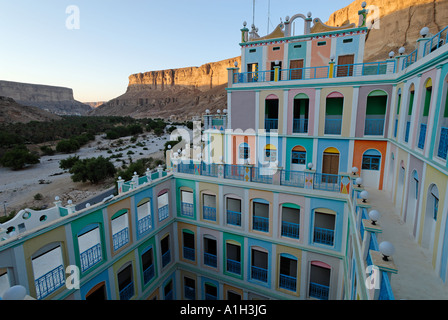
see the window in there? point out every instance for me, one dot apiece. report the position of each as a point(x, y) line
point(270, 153)
point(189, 288)
point(290, 221)
point(187, 203)
point(319, 287)
point(48, 270)
point(210, 252)
point(165, 250)
point(233, 263)
point(144, 216)
point(233, 211)
point(271, 112)
point(89, 243)
point(125, 283)
point(347, 40)
point(324, 224)
point(244, 151)
point(260, 219)
point(259, 268)
point(298, 157)
point(322, 43)
point(333, 114)
point(211, 291)
point(188, 241)
point(120, 229)
point(209, 207)
point(288, 272)
point(300, 113)
point(168, 290)
point(275, 48)
point(148, 265)
point(162, 206)
point(371, 160)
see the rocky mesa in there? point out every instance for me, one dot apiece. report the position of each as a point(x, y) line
point(57, 100)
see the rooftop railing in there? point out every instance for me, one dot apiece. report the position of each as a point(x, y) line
point(436, 41)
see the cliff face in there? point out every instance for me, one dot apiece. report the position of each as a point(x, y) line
point(58, 100)
point(11, 111)
point(397, 23)
point(179, 94)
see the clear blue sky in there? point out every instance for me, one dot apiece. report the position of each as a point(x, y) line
point(119, 38)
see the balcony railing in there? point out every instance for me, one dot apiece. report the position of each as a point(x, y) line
point(422, 136)
point(148, 273)
point(144, 224)
point(290, 229)
point(166, 258)
point(50, 282)
point(324, 236)
point(320, 181)
point(374, 127)
point(209, 213)
point(233, 266)
point(189, 253)
point(362, 69)
point(270, 124)
point(300, 126)
point(189, 292)
point(288, 282)
point(210, 260)
point(163, 212)
point(127, 292)
point(333, 126)
point(319, 291)
point(187, 209)
point(90, 257)
point(260, 223)
point(443, 143)
point(410, 59)
point(120, 238)
point(436, 41)
point(408, 128)
point(260, 274)
point(234, 218)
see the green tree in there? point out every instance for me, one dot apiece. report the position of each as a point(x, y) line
point(18, 157)
point(92, 169)
point(67, 146)
point(68, 163)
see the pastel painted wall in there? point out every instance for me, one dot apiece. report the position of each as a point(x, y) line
point(297, 51)
point(291, 143)
point(263, 246)
point(211, 189)
point(410, 206)
point(347, 92)
point(264, 195)
point(263, 141)
point(188, 228)
point(124, 204)
point(187, 185)
point(253, 55)
point(145, 194)
point(274, 51)
point(320, 54)
point(236, 141)
point(347, 48)
point(291, 253)
point(243, 110)
point(281, 104)
point(362, 146)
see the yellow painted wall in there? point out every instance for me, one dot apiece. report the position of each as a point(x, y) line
point(346, 112)
point(130, 257)
point(185, 226)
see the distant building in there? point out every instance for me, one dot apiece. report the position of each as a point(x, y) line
point(270, 203)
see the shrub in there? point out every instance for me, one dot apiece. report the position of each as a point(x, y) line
point(92, 169)
point(47, 150)
point(38, 196)
point(68, 163)
point(18, 157)
point(67, 146)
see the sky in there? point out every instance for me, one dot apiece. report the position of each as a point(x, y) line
point(92, 46)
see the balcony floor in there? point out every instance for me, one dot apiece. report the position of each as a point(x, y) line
point(416, 278)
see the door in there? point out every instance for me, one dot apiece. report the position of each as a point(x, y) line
point(330, 163)
point(279, 70)
point(296, 64)
point(343, 70)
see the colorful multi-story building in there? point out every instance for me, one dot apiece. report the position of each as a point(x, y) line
point(270, 200)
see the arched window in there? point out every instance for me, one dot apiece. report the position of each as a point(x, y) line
point(333, 113)
point(300, 113)
point(371, 160)
point(244, 151)
point(271, 113)
point(270, 153)
point(298, 155)
point(375, 113)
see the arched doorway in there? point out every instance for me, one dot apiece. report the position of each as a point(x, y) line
point(429, 224)
point(330, 161)
point(412, 202)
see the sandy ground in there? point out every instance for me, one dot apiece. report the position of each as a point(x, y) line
point(17, 188)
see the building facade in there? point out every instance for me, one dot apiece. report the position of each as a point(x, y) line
point(271, 202)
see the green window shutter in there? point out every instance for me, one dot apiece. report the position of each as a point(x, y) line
point(411, 102)
point(399, 104)
point(427, 101)
point(445, 114)
point(376, 105)
point(335, 106)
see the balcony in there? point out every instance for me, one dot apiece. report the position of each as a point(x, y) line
point(270, 124)
point(166, 258)
point(144, 224)
point(327, 182)
point(120, 238)
point(233, 266)
point(323, 236)
point(187, 209)
point(319, 291)
point(90, 257)
point(189, 253)
point(288, 282)
point(443, 143)
point(163, 212)
point(333, 126)
point(209, 213)
point(422, 136)
point(260, 274)
point(234, 218)
point(210, 260)
point(127, 292)
point(148, 273)
point(300, 126)
point(290, 229)
point(50, 282)
point(260, 223)
point(189, 292)
point(408, 128)
point(374, 127)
